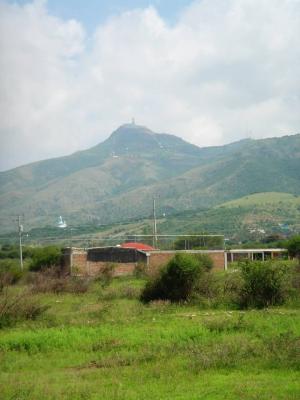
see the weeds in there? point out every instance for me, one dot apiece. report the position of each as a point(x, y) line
point(284, 350)
point(119, 348)
point(124, 292)
point(117, 360)
point(18, 307)
point(51, 281)
point(140, 270)
point(106, 274)
point(226, 324)
point(223, 354)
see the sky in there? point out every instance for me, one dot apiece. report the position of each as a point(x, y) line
point(209, 71)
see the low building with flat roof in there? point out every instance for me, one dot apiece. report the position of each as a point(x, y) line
point(125, 259)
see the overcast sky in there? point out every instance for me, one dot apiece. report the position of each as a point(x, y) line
point(210, 71)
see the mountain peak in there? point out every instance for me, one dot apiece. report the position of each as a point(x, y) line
point(131, 128)
point(133, 137)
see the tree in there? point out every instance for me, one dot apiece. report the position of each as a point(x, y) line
point(199, 242)
point(293, 247)
point(45, 257)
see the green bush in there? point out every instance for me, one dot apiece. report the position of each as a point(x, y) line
point(12, 251)
point(175, 281)
point(205, 260)
point(221, 290)
point(10, 272)
point(293, 246)
point(45, 257)
point(265, 283)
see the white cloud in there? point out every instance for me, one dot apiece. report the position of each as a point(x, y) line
point(228, 68)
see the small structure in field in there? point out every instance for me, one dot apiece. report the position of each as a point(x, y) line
point(127, 256)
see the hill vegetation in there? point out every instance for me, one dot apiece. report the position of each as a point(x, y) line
point(100, 185)
point(260, 217)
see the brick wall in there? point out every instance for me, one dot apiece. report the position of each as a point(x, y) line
point(79, 262)
point(159, 258)
point(93, 268)
point(82, 265)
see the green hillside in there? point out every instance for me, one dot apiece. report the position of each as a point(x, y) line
point(116, 180)
point(265, 199)
point(243, 219)
point(251, 218)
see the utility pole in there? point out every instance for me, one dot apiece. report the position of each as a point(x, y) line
point(20, 229)
point(154, 225)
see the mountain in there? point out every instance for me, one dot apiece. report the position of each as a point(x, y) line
point(117, 179)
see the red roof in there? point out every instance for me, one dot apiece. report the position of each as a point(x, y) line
point(137, 246)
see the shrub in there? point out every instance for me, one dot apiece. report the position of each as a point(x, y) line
point(18, 307)
point(140, 270)
point(293, 247)
point(12, 251)
point(296, 279)
point(265, 283)
point(206, 285)
point(205, 260)
point(10, 273)
point(45, 257)
point(106, 274)
point(218, 290)
point(9, 252)
point(51, 282)
point(175, 281)
point(231, 287)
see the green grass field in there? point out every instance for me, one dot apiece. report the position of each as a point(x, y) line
point(105, 344)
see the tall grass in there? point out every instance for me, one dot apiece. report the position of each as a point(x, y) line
point(15, 307)
point(106, 344)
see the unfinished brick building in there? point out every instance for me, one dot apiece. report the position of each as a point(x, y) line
point(90, 261)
